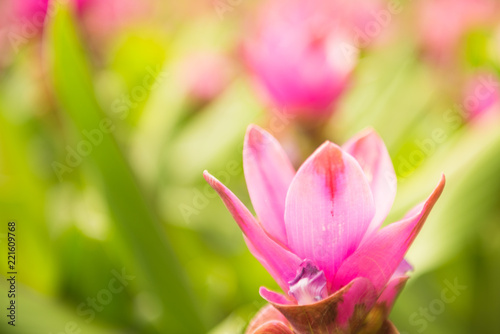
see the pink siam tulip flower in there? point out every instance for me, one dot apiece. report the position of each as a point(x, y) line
point(301, 56)
point(318, 234)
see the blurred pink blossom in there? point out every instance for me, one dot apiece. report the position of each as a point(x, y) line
point(23, 20)
point(205, 74)
point(302, 53)
point(301, 56)
point(103, 18)
point(27, 17)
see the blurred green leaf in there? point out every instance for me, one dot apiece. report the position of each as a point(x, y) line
point(470, 162)
point(23, 200)
point(157, 266)
point(213, 135)
point(38, 314)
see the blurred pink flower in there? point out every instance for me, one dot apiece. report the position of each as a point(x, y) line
point(318, 233)
point(28, 9)
point(300, 55)
point(205, 74)
point(23, 20)
point(482, 97)
point(104, 18)
point(443, 24)
point(29, 15)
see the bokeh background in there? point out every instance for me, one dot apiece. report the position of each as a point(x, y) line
point(110, 110)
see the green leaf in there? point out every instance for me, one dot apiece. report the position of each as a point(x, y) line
point(38, 307)
point(156, 265)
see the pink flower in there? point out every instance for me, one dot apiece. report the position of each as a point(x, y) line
point(318, 233)
point(300, 55)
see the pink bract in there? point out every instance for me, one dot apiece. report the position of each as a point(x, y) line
point(318, 234)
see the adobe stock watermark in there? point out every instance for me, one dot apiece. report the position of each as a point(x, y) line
point(223, 6)
point(98, 303)
point(421, 318)
point(362, 37)
point(453, 117)
point(201, 198)
point(127, 102)
point(121, 108)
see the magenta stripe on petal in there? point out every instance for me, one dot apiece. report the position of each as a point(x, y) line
point(268, 173)
point(328, 208)
point(282, 264)
point(380, 255)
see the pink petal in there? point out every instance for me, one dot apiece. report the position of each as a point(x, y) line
point(415, 210)
point(391, 292)
point(369, 150)
point(268, 173)
point(361, 293)
point(272, 269)
point(274, 297)
point(265, 315)
point(402, 269)
point(379, 256)
point(282, 263)
point(328, 208)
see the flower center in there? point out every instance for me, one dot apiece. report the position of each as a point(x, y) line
point(309, 286)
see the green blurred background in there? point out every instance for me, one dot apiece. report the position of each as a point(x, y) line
point(104, 134)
